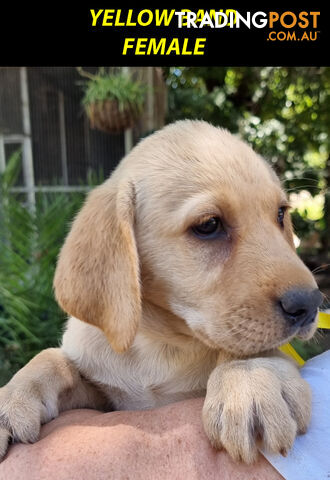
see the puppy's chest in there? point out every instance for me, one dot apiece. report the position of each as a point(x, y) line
point(149, 375)
point(150, 383)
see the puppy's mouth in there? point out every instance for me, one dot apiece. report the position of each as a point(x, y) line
point(240, 341)
point(236, 344)
point(307, 332)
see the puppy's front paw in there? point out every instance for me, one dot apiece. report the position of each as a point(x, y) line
point(22, 411)
point(256, 403)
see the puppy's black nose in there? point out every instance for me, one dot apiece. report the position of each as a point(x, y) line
point(299, 306)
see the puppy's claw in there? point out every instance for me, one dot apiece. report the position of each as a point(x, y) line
point(20, 414)
point(245, 407)
point(4, 441)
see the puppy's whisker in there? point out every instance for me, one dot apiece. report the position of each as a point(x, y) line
point(321, 268)
point(318, 337)
point(302, 187)
point(293, 179)
point(326, 300)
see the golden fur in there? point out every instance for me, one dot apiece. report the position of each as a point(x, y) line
point(158, 315)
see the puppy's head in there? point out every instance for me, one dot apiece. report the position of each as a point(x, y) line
point(197, 223)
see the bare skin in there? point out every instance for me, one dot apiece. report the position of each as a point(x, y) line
point(168, 442)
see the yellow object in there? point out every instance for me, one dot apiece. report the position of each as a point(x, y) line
point(289, 350)
point(324, 322)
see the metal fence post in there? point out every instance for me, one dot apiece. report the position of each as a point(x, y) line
point(27, 144)
point(2, 154)
point(128, 134)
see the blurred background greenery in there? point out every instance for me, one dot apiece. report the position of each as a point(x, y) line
point(282, 112)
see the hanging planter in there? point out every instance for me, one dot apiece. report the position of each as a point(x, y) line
point(112, 101)
point(108, 117)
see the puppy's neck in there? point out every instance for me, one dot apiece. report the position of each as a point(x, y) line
point(162, 325)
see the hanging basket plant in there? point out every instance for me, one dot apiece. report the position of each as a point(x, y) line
point(112, 101)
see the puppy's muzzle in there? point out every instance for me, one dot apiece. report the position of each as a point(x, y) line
point(299, 306)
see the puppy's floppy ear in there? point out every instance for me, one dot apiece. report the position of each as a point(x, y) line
point(97, 275)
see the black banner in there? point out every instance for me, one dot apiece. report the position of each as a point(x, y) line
point(100, 33)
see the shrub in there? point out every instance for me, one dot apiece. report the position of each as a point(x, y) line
point(30, 319)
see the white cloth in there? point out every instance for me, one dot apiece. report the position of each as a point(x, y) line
point(309, 458)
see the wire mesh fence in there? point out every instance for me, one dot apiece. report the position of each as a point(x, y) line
point(41, 114)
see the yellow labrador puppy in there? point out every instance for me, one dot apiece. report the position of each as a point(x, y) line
point(181, 279)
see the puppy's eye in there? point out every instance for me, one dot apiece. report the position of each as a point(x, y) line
point(280, 216)
point(211, 228)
